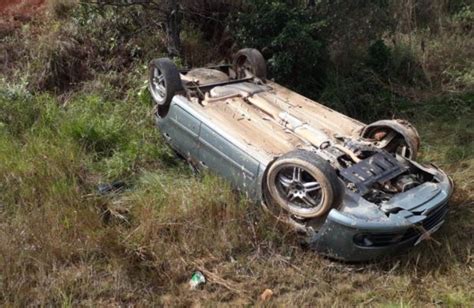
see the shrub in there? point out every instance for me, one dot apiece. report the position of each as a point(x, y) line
point(61, 8)
point(59, 62)
point(406, 68)
point(18, 109)
point(464, 19)
point(361, 95)
point(90, 41)
point(94, 124)
point(379, 57)
point(398, 63)
point(292, 43)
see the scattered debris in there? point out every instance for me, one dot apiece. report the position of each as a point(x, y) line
point(229, 285)
point(196, 280)
point(107, 188)
point(266, 295)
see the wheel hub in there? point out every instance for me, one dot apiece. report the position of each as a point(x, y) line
point(299, 188)
point(158, 84)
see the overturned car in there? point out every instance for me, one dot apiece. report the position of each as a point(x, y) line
point(354, 190)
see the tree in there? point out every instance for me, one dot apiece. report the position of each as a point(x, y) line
point(166, 13)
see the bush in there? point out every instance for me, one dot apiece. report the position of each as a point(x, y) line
point(398, 63)
point(361, 95)
point(60, 64)
point(18, 109)
point(84, 41)
point(464, 19)
point(292, 43)
point(94, 125)
point(379, 57)
point(61, 8)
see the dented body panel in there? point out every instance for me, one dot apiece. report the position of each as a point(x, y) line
point(239, 129)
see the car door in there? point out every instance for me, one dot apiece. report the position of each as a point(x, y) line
point(182, 132)
point(229, 161)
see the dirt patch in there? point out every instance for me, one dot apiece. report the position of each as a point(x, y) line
point(21, 7)
point(16, 12)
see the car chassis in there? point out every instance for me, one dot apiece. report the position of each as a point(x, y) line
point(355, 191)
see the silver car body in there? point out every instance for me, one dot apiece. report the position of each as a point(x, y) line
point(231, 133)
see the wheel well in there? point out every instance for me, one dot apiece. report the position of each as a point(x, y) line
point(162, 111)
point(264, 189)
point(402, 128)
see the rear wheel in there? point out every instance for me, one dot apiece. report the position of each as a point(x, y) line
point(249, 62)
point(303, 184)
point(164, 81)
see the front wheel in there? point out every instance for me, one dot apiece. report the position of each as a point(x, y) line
point(164, 81)
point(303, 184)
point(394, 136)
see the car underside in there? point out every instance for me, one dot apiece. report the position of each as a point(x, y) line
point(355, 191)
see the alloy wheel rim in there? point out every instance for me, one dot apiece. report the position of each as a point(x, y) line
point(158, 85)
point(300, 190)
point(244, 67)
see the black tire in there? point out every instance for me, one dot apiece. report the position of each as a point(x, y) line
point(312, 194)
point(406, 143)
point(164, 81)
point(249, 62)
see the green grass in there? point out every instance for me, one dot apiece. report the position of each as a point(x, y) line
point(61, 243)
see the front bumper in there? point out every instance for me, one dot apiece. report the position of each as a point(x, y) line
point(345, 236)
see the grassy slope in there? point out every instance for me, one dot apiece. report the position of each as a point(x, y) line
point(62, 243)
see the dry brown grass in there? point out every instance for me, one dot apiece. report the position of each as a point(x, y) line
point(64, 253)
point(61, 243)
